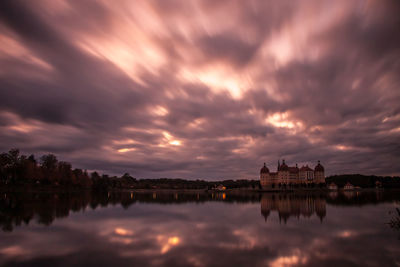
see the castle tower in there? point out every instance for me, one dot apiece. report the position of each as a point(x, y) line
point(264, 176)
point(283, 173)
point(319, 173)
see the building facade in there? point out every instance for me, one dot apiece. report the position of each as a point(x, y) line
point(286, 176)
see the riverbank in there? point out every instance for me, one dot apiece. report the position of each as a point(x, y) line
point(62, 189)
point(372, 189)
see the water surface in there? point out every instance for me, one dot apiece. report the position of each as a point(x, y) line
point(197, 229)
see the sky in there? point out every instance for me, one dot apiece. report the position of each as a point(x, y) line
point(202, 89)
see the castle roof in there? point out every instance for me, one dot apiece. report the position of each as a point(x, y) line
point(264, 169)
point(319, 167)
point(283, 167)
point(305, 168)
point(293, 169)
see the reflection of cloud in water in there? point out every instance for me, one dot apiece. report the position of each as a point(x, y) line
point(209, 234)
point(122, 231)
point(168, 242)
point(13, 251)
point(122, 240)
point(346, 234)
point(290, 260)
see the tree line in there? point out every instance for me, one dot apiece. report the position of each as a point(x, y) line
point(18, 170)
point(21, 170)
point(364, 181)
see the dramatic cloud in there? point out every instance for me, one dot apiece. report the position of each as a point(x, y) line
point(202, 89)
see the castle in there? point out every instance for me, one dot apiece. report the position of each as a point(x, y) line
point(287, 177)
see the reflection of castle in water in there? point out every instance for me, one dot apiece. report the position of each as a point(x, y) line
point(17, 208)
point(293, 205)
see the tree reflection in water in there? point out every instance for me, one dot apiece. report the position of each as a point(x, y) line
point(197, 229)
point(21, 208)
point(394, 222)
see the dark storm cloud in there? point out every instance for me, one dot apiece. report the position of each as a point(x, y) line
point(68, 95)
point(202, 89)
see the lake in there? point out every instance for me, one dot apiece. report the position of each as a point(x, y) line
point(199, 229)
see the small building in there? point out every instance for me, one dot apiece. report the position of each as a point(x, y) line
point(348, 186)
point(333, 187)
point(220, 188)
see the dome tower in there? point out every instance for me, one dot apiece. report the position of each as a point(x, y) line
point(319, 173)
point(264, 176)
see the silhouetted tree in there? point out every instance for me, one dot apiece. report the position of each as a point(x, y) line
point(49, 162)
point(65, 171)
point(49, 168)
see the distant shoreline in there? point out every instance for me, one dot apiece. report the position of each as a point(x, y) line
point(58, 189)
point(25, 173)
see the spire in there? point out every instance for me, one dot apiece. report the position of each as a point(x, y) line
point(319, 161)
point(264, 164)
point(279, 164)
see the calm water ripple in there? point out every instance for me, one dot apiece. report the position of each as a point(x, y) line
point(199, 229)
